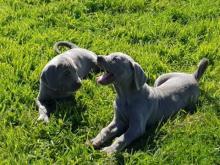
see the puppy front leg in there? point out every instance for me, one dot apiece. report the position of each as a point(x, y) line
point(124, 140)
point(113, 129)
point(45, 103)
point(43, 113)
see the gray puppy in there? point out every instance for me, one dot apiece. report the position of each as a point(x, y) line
point(63, 74)
point(137, 104)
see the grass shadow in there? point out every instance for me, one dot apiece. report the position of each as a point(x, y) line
point(70, 110)
point(145, 143)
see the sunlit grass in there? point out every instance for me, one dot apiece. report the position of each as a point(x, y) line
point(162, 36)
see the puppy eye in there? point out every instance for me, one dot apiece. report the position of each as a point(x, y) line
point(116, 59)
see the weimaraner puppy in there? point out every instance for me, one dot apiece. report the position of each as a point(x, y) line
point(63, 74)
point(137, 104)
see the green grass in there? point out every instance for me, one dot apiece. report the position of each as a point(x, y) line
point(161, 35)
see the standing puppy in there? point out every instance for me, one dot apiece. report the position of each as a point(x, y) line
point(137, 104)
point(63, 74)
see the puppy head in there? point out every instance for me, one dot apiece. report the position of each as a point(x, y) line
point(60, 75)
point(120, 69)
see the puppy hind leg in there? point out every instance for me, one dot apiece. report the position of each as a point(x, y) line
point(193, 100)
point(163, 78)
point(191, 107)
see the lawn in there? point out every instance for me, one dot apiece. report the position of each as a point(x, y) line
point(161, 35)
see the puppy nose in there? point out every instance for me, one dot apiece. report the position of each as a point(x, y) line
point(100, 59)
point(78, 85)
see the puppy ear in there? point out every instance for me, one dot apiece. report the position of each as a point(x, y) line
point(139, 76)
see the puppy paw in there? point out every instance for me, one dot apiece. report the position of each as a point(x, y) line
point(109, 150)
point(96, 143)
point(44, 118)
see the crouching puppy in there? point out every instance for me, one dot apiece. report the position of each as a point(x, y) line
point(63, 75)
point(137, 104)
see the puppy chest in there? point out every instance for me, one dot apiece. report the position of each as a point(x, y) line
point(122, 110)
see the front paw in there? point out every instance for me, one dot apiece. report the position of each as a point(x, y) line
point(43, 117)
point(109, 150)
point(96, 142)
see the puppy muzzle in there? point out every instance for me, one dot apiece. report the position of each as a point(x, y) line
point(100, 59)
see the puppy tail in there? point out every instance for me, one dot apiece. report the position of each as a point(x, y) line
point(203, 64)
point(63, 43)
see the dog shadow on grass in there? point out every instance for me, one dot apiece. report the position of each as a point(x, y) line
point(146, 143)
point(70, 110)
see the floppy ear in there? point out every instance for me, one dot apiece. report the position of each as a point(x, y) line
point(139, 76)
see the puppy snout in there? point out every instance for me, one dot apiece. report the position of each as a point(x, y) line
point(77, 85)
point(100, 59)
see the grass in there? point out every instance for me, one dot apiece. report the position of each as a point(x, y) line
point(161, 35)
